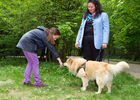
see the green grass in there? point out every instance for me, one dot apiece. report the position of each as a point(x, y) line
point(62, 84)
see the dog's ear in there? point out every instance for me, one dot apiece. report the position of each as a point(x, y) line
point(70, 60)
point(67, 57)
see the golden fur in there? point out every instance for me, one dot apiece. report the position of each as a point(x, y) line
point(100, 71)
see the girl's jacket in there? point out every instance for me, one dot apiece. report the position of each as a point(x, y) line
point(34, 40)
point(100, 28)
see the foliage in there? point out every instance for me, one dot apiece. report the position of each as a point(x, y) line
point(124, 24)
point(20, 16)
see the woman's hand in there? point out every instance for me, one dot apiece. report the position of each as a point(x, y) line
point(60, 62)
point(45, 57)
point(76, 45)
point(104, 45)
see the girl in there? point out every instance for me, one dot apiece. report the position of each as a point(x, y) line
point(30, 42)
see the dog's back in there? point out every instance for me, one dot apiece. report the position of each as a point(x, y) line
point(94, 69)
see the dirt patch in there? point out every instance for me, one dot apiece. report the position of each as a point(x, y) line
point(6, 82)
point(21, 94)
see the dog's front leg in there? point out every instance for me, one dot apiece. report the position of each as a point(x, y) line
point(85, 83)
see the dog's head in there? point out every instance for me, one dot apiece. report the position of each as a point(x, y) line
point(68, 62)
point(73, 63)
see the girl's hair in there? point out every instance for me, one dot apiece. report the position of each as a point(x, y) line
point(50, 32)
point(98, 8)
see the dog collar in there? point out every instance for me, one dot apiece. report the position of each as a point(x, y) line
point(82, 66)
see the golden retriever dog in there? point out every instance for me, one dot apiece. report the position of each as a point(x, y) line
point(92, 70)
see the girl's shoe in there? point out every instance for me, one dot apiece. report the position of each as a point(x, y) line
point(40, 85)
point(29, 84)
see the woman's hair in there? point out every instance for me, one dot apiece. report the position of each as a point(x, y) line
point(50, 32)
point(98, 8)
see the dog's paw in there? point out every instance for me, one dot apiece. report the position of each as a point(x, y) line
point(97, 92)
point(83, 88)
point(108, 92)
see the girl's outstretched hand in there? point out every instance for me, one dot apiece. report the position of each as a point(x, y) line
point(60, 62)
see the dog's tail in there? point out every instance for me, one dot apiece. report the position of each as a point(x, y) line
point(114, 69)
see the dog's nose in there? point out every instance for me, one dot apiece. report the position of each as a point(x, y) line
point(64, 65)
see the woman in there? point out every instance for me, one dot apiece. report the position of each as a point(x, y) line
point(94, 31)
point(30, 43)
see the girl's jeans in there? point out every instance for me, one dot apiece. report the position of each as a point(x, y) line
point(33, 65)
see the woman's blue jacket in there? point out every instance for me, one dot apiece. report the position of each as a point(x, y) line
point(100, 28)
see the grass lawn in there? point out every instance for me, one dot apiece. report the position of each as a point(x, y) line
point(62, 84)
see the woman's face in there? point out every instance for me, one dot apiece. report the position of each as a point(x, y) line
point(55, 37)
point(91, 7)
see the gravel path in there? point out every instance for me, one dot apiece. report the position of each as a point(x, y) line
point(134, 69)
